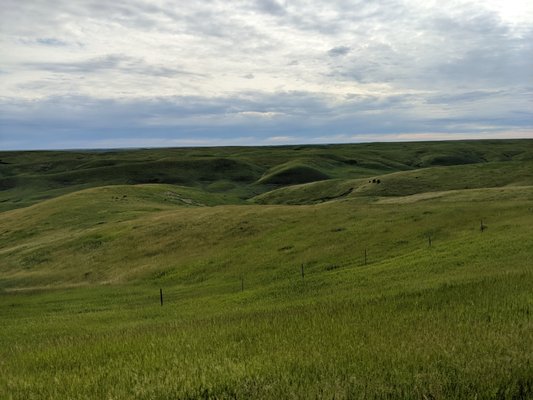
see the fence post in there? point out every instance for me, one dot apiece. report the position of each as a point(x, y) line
point(302, 271)
point(161, 296)
point(365, 257)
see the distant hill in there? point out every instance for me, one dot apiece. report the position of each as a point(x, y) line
point(240, 172)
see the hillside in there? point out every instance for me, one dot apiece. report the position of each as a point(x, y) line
point(283, 276)
point(241, 172)
point(474, 176)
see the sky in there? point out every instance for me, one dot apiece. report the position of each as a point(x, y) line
point(157, 73)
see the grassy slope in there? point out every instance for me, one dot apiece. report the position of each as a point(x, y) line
point(484, 175)
point(80, 278)
point(243, 172)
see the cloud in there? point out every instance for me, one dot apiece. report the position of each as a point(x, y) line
point(338, 51)
point(124, 64)
point(260, 116)
point(140, 69)
point(281, 139)
point(270, 7)
point(50, 42)
point(464, 96)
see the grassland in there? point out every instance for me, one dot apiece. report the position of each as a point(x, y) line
point(438, 309)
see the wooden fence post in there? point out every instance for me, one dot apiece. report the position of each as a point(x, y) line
point(161, 296)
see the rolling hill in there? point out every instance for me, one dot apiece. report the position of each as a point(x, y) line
point(286, 272)
point(243, 172)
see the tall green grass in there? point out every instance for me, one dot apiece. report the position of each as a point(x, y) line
point(81, 271)
point(448, 321)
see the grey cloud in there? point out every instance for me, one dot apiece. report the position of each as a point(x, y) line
point(339, 51)
point(210, 18)
point(91, 65)
point(467, 65)
point(499, 62)
point(270, 7)
point(471, 22)
point(464, 96)
point(375, 62)
point(476, 51)
point(118, 62)
point(293, 114)
point(51, 42)
point(340, 16)
point(36, 17)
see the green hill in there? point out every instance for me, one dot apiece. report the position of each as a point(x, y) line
point(485, 175)
point(419, 286)
point(242, 172)
point(292, 173)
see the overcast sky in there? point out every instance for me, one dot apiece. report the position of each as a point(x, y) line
point(136, 73)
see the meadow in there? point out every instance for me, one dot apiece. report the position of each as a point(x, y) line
point(286, 272)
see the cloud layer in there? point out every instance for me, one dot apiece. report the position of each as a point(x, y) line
point(155, 73)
